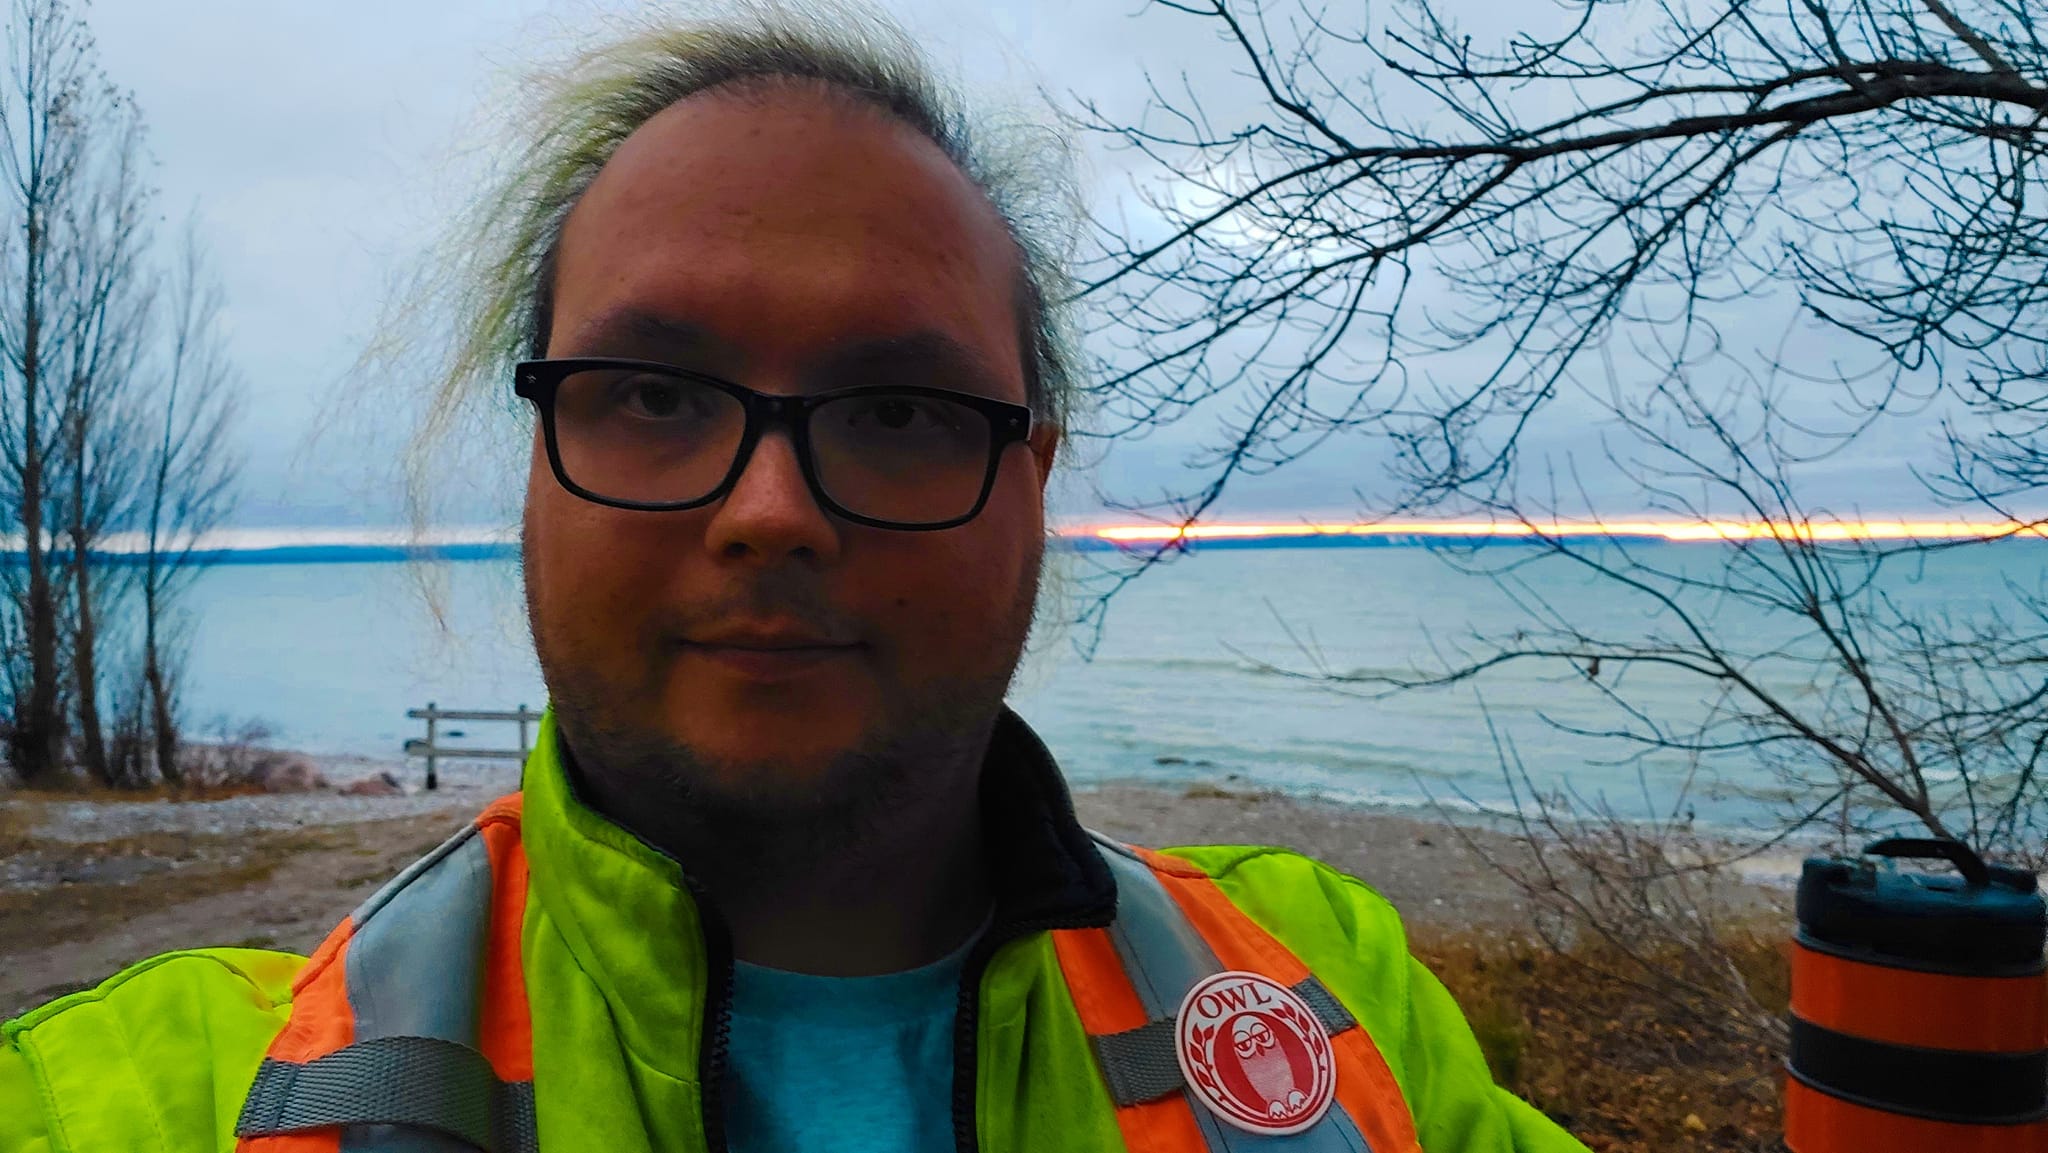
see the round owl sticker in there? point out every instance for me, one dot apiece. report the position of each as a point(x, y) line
point(1255, 1054)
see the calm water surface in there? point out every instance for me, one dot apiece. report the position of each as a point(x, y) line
point(330, 656)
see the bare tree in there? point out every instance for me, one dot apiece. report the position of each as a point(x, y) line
point(108, 297)
point(48, 162)
point(1880, 687)
point(112, 414)
point(188, 487)
point(1409, 229)
point(1871, 690)
point(62, 139)
point(1412, 229)
point(1446, 236)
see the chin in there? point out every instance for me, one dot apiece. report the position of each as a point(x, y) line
point(758, 786)
point(793, 746)
point(746, 761)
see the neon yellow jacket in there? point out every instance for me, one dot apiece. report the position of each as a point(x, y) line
point(623, 971)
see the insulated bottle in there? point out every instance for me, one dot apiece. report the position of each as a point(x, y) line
point(1919, 1008)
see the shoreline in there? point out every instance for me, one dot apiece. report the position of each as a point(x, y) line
point(1435, 870)
point(104, 882)
point(1752, 855)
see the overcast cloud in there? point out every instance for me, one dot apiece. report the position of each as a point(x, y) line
point(322, 148)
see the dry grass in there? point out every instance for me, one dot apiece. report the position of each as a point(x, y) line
point(15, 823)
point(131, 898)
point(1623, 1069)
point(184, 867)
point(82, 790)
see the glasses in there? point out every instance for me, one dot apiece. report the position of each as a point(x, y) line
point(640, 435)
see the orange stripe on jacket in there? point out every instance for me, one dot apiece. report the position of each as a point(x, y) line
point(1365, 1085)
point(1107, 1003)
point(321, 1022)
point(505, 1025)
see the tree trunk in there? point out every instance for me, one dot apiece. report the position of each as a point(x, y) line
point(163, 723)
point(93, 747)
point(37, 752)
point(39, 728)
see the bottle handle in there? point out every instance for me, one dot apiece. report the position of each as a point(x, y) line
point(1962, 856)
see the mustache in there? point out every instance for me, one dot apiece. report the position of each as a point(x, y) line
point(788, 600)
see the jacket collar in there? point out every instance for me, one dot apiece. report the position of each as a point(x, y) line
point(606, 890)
point(1043, 864)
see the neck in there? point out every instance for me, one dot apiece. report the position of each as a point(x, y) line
point(890, 901)
point(897, 890)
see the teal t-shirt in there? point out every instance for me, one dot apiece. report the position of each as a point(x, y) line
point(846, 1064)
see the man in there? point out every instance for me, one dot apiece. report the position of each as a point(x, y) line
point(784, 874)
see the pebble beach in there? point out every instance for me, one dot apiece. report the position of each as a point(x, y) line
point(1434, 871)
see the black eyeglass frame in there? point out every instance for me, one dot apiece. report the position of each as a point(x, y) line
point(538, 381)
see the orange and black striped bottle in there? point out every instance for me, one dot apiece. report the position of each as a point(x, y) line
point(1919, 1008)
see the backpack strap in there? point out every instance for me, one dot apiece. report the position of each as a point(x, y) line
point(417, 1082)
point(399, 1027)
point(1129, 980)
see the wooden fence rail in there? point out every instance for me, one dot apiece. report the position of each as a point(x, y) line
point(433, 751)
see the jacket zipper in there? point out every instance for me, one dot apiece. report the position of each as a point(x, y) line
point(716, 1032)
point(967, 1017)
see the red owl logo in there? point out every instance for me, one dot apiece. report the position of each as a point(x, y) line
point(1255, 1054)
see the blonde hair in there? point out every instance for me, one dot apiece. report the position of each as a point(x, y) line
point(500, 292)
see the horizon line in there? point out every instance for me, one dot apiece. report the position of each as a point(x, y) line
point(479, 540)
point(1670, 530)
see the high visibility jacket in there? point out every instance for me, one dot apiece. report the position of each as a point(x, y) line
point(545, 980)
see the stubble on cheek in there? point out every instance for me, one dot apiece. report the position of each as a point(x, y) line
point(598, 655)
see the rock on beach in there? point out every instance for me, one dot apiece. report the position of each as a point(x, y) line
point(287, 773)
point(381, 785)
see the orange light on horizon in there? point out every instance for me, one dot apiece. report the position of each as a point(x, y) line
point(1873, 530)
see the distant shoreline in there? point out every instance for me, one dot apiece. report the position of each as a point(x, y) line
point(394, 549)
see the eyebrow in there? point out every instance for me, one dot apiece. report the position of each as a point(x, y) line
point(926, 356)
point(640, 334)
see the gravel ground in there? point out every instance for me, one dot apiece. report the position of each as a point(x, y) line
point(86, 887)
point(464, 786)
point(1427, 870)
point(1437, 874)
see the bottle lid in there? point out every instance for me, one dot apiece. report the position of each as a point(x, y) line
point(1982, 920)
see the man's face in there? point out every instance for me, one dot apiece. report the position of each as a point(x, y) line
point(758, 646)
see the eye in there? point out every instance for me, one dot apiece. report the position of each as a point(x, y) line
point(904, 414)
point(657, 398)
point(898, 414)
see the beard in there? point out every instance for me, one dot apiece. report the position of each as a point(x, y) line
point(784, 816)
point(917, 762)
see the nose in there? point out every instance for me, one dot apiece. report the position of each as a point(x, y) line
point(770, 514)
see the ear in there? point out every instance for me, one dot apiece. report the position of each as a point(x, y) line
point(1045, 447)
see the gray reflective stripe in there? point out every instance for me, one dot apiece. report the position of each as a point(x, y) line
point(1162, 954)
point(406, 876)
point(1164, 957)
point(416, 1081)
point(413, 972)
point(415, 965)
point(1140, 1065)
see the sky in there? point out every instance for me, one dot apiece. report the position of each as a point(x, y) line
point(322, 148)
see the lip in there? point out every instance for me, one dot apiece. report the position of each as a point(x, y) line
point(770, 656)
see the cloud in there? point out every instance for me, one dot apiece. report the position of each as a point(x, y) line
point(324, 147)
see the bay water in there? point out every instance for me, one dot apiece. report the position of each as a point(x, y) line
point(1195, 677)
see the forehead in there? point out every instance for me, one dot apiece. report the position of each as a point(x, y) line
point(784, 223)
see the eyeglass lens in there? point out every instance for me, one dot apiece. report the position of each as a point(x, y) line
point(651, 438)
